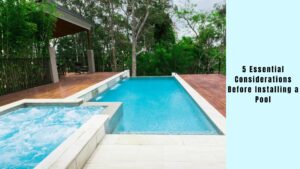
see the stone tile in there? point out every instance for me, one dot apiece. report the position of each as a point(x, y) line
point(143, 140)
point(202, 165)
point(176, 165)
point(114, 154)
point(159, 152)
point(112, 165)
point(202, 140)
point(175, 154)
point(201, 157)
point(149, 165)
point(150, 153)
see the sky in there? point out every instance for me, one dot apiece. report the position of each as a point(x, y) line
point(202, 5)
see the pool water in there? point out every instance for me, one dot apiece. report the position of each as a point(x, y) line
point(28, 135)
point(158, 105)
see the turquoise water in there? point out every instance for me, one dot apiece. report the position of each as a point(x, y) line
point(157, 106)
point(28, 135)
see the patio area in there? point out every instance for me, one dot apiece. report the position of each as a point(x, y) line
point(67, 86)
point(210, 86)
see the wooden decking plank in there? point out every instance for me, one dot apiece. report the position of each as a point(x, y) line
point(66, 87)
point(211, 86)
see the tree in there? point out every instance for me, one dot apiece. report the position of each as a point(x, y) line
point(111, 16)
point(159, 27)
point(137, 13)
point(210, 37)
point(190, 16)
point(139, 35)
point(110, 42)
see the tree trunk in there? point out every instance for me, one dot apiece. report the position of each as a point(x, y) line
point(114, 55)
point(133, 69)
point(136, 29)
point(219, 65)
point(112, 35)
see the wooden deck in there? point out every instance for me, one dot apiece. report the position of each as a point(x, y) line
point(212, 87)
point(66, 87)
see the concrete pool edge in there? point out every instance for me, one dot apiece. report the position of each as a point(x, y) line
point(100, 87)
point(213, 114)
point(77, 148)
point(33, 102)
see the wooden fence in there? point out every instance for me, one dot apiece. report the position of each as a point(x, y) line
point(23, 73)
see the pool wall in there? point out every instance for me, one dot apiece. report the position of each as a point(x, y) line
point(114, 111)
point(89, 93)
point(214, 115)
point(76, 149)
point(39, 102)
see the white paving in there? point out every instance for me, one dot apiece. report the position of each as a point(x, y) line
point(159, 152)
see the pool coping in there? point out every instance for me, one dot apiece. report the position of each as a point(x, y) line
point(31, 102)
point(213, 114)
point(92, 91)
point(76, 149)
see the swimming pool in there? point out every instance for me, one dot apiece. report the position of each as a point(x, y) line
point(30, 134)
point(156, 105)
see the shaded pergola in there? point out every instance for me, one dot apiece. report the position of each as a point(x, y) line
point(69, 23)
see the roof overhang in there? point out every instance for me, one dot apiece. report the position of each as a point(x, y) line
point(69, 23)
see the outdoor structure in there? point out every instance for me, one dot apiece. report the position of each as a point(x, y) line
point(69, 23)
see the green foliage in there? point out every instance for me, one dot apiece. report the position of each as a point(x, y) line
point(205, 52)
point(210, 38)
point(164, 60)
point(25, 28)
point(160, 24)
point(163, 30)
point(25, 31)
